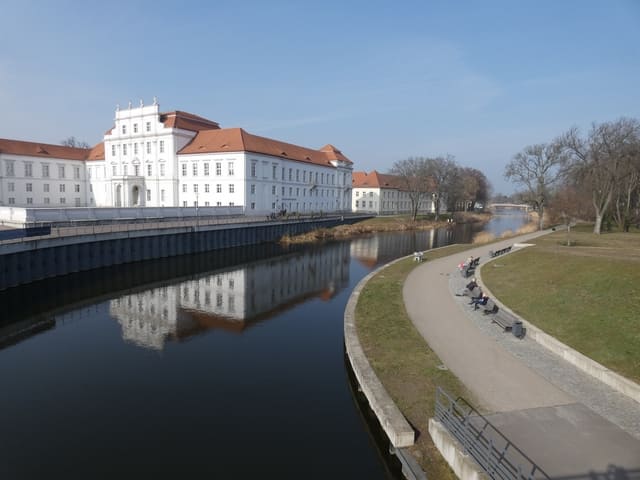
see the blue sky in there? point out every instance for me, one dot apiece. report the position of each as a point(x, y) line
point(382, 81)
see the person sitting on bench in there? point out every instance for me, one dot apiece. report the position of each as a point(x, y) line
point(480, 301)
point(475, 294)
point(468, 288)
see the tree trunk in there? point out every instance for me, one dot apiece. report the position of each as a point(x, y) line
point(597, 227)
point(541, 217)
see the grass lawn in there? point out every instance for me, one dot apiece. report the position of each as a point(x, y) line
point(586, 295)
point(402, 360)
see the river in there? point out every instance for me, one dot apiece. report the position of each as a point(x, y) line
point(225, 365)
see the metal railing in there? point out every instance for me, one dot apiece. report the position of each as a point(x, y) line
point(494, 452)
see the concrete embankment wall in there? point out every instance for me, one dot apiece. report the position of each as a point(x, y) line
point(25, 262)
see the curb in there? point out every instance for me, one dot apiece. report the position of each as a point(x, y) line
point(395, 425)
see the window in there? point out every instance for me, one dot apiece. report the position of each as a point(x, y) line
point(124, 169)
point(282, 173)
point(357, 193)
point(253, 169)
point(162, 195)
point(114, 170)
point(124, 129)
point(11, 186)
point(184, 169)
point(206, 204)
point(206, 188)
point(273, 171)
point(184, 188)
point(195, 188)
point(135, 148)
point(273, 205)
point(148, 195)
point(253, 205)
point(218, 204)
point(297, 175)
point(135, 128)
point(206, 169)
point(253, 189)
point(371, 194)
point(77, 202)
point(45, 187)
point(290, 174)
point(28, 169)
point(61, 173)
point(136, 170)
point(161, 146)
point(231, 188)
point(113, 150)
point(162, 169)
point(47, 200)
point(63, 200)
point(149, 170)
point(62, 187)
point(231, 204)
point(29, 187)
point(45, 170)
point(29, 200)
point(218, 188)
point(357, 203)
point(9, 168)
point(283, 191)
point(218, 169)
point(148, 128)
point(273, 190)
point(194, 168)
point(12, 200)
point(124, 149)
point(184, 203)
point(76, 188)
point(370, 204)
point(148, 146)
point(230, 168)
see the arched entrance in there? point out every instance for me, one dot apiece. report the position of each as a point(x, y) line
point(119, 196)
point(135, 196)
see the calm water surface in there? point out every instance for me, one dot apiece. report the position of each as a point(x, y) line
point(226, 365)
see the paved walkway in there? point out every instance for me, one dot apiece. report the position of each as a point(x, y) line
point(571, 425)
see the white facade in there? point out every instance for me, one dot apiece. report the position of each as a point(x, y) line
point(382, 194)
point(139, 164)
point(33, 181)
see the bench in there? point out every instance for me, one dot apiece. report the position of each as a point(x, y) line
point(490, 307)
point(469, 269)
point(495, 253)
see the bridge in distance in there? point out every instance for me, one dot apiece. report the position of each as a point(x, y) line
point(502, 206)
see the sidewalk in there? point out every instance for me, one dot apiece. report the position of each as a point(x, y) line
point(570, 424)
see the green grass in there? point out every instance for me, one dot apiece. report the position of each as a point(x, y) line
point(402, 360)
point(586, 295)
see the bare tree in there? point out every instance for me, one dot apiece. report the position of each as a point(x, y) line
point(413, 175)
point(474, 187)
point(443, 171)
point(536, 168)
point(73, 142)
point(600, 161)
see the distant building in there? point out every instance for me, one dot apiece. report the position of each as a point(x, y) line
point(178, 159)
point(383, 194)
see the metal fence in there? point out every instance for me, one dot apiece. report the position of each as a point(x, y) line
point(494, 452)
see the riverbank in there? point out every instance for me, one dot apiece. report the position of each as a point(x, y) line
point(410, 370)
point(394, 223)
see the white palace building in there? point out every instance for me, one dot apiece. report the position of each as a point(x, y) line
point(175, 159)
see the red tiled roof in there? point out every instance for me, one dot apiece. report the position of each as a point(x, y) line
point(375, 180)
point(237, 140)
point(96, 153)
point(187, 121)
point(33, 149)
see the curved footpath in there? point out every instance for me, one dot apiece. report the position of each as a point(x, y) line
point(568, 422)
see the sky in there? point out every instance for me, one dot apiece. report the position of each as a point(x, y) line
point(382, 81)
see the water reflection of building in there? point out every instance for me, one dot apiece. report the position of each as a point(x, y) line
point(231, 299)
point(385, 246)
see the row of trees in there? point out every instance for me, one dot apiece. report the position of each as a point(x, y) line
point(600, 169)
point(441, 178)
